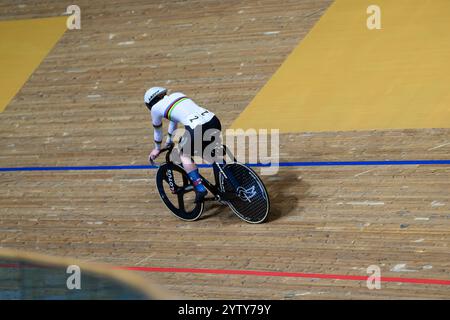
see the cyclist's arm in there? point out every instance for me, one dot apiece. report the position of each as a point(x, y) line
point(157, 129)
point(170, 130)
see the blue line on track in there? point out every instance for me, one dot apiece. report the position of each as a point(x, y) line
point(281, 164)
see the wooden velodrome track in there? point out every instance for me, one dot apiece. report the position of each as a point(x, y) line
point(83, 107)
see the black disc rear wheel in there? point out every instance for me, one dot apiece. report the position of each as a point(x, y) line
point(252, 201)
point(181, 201)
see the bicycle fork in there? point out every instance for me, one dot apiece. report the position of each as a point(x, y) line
point(171, 181)
point(169, 175)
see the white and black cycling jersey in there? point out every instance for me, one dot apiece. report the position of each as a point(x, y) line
point(178, 109)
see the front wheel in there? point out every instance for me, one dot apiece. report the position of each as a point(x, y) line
point(177, 192)
point(251, 203)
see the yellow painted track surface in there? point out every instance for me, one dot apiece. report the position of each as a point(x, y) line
point(344, 76)
point(23, 45)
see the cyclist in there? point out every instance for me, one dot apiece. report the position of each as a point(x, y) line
point(178, 108)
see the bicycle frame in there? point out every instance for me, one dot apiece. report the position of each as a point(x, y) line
point(217, 169)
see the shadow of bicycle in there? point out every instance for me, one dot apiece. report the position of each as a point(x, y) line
point(286, 190)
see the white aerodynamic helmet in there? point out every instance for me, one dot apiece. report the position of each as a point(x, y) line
point(151, 95)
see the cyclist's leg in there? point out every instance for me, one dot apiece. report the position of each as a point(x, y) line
point(212, 150)
point(221, 154)
point(187, 151)
point(188, 164)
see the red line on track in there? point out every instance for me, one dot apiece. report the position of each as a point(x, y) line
point(10, 265)
point(264, 274)
point(284, 274)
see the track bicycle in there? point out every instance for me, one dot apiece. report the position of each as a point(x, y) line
point(235, 185)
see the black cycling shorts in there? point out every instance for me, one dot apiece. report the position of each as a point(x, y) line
point(203, 140)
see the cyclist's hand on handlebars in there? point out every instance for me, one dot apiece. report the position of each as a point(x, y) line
point(168, 144)
point(153, 155)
